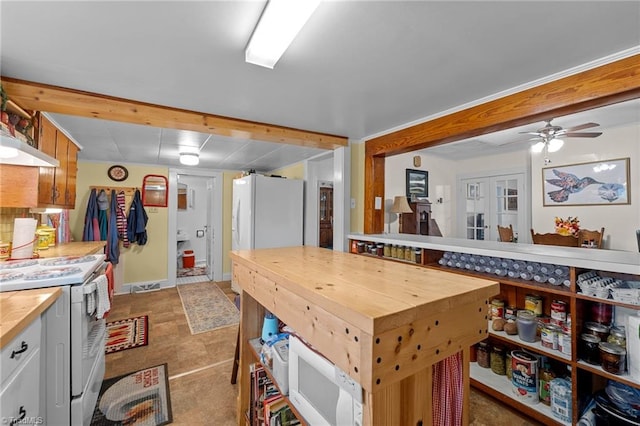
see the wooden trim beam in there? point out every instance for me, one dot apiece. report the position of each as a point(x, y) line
point(605, 85)
point(43, 97)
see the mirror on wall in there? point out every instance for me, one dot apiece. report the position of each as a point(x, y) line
point(154, 191)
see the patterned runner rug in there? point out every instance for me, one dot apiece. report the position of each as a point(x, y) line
point(138, 398)
point(206, 307)
point(192, 272)
point(127, 334)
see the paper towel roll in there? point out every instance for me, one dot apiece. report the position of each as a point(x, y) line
point(24, 231)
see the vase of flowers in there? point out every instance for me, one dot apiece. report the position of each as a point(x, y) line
point(568, 226)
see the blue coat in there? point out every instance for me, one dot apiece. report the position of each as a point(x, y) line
point(137, 221)
point(90, 217)
point(113, 243)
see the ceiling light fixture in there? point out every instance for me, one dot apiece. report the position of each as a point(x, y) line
point(555, 144)
point(189, 158)
point(280, 22)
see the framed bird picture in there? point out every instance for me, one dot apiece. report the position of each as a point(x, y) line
point(604, 182)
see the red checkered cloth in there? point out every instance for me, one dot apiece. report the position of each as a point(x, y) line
point(448, 391)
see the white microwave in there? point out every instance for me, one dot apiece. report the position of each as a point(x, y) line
point(321, 391)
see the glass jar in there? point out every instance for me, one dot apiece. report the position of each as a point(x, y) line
point(360, 247)
point(387, 250)
point(408, 251)
point(400, 252)
point(497, 360)
point(601, 313)
point(588, 348)
point(613, 357)
point(508, 367)
point(533, 303)
point(380, 249)
point(597, 329)
point(617, 336)
point(418, 255)
point(394, 251)
point(483, 355)
point(527, 325)
point(497, 308)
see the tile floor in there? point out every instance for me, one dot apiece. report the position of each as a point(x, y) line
point(200, 365)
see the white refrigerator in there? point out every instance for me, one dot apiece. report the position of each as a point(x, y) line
point(267, 212)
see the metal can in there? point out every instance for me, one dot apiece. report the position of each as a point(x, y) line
point(558, 312)
point(533, 304)
point(549, 336)
point(564, 343)
point(497, 309)
point(510, 313)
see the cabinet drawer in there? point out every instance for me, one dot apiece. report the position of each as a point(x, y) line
point(20, 396)
point(18, 350)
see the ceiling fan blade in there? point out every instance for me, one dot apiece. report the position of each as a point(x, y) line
point(530, 133)
point(581, 127)
point(582, 134)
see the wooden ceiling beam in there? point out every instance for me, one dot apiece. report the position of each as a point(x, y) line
point(47, 98)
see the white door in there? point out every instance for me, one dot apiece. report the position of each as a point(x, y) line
point(490, 201)
point(210, 230)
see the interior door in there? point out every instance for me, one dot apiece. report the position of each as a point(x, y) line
point(210, 230)
point(325, 216)
point(490, 201)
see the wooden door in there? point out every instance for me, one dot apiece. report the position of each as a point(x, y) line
point(326, 218)
point(47, 144)
point(72, 172)
point(60, 180)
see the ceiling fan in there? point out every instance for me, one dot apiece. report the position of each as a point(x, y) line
point(550, 136)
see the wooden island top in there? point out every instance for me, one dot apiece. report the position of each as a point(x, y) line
point(384, 323)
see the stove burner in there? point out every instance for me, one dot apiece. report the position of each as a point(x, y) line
point(53, 273)
point(69, 260)
point(9, 275)
point(13, 264)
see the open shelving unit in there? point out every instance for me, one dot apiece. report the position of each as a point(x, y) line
point(585, 378)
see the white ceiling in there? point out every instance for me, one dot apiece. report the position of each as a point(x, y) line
point(358, 68)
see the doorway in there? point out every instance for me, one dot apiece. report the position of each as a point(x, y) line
point(489, 201)
point(195, 224)
point(325, 215)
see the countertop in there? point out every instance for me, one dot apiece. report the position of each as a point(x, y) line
point(597, 259)
point(80, 248)
point(18, 309)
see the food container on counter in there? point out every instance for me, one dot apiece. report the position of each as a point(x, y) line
point(613, 357)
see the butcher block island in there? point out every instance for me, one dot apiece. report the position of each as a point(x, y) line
point(384, 323)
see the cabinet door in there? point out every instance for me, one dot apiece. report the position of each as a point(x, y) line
point(46, 144)
point(72, 172)
point(60, 180)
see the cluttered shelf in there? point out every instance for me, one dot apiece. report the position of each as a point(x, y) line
point(272, 400)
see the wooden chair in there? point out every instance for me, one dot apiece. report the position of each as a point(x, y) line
point(596, 236)
point(505, 233)
point(552, 239)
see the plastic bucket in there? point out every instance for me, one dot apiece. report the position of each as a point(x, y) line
point(188, 259)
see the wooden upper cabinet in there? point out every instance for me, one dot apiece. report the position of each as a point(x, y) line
point(57, 186)
point(47, 144)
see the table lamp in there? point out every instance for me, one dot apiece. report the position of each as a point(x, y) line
point(400, 205)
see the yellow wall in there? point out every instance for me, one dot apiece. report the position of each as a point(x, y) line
point(146, 263)
point(295, 171)
point(357, 186)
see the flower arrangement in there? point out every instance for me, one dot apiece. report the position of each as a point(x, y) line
point(568, 226)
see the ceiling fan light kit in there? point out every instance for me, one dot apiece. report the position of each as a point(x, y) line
point(550, 137)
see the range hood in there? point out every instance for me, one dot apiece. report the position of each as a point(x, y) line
point(14, 151)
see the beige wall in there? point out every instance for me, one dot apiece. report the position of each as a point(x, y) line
point(142, 264)
point(295, 171)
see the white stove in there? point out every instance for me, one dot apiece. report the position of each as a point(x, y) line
point(47, 272)
point(74, 333)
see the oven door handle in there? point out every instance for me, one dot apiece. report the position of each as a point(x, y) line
point(89, 287)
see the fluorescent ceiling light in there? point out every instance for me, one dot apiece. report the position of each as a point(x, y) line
point(14, 151)
point(189, 158)
point(279, 24)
